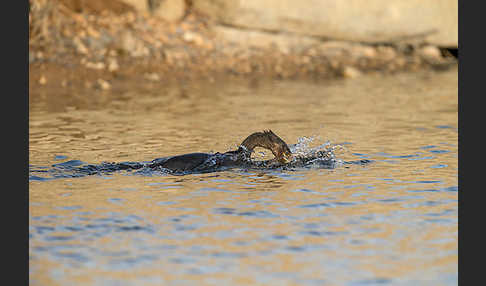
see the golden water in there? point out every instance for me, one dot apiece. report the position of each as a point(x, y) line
point(391, 222)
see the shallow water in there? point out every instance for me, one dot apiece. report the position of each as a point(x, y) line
point(391, 222)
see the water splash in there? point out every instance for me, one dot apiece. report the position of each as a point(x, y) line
point(323, 154)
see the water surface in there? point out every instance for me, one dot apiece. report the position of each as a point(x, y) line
point(391, 222)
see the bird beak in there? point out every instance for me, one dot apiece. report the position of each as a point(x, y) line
point(287, 158)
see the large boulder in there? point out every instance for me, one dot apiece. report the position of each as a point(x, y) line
point(372, 21)
point(169, 10)
point(139, 5)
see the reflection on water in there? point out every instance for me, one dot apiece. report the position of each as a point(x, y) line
point(392, 222)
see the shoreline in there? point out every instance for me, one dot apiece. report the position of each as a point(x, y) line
point(82, 50)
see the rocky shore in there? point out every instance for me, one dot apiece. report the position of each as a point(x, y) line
point(106, 43)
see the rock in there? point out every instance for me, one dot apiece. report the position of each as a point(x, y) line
point(152, 76)
point(374, 21)
point(130, 44)
point(96, 66)
point(430, 52)
point(139, 5)
point(369, 52)
point(169, 10)
point(191, 37)
point(42, 80)
point(363, 51)
point(103, 84)
point(350, 72)
point(92, 32)
point(112, 64)
point(79, 46)
point(386, 53)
